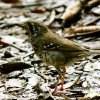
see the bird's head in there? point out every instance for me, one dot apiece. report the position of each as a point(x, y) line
point(35, 28)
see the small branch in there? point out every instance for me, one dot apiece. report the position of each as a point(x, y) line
point(20, 57)
point(41, 75)
point(25, 5)
point(82, 30)
point(28, 5)
point(17, 48)
point(12, 45)
point(8, 25)
point(28, 54)
point(96, 33)
point(92, 3)
point(92, 21)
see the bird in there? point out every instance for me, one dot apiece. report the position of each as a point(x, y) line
point(53, 49)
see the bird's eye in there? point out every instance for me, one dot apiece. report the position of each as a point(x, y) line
point(29, 24)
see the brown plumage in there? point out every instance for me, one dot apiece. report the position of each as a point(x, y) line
point(53, 49)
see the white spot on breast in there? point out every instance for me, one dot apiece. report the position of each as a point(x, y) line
point(57, 46)
point(48, 45)
point(35, 34)
point(44, 46)
point(51, 43)
point(34, 29)
point(54, 47)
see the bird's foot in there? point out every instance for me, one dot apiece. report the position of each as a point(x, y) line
point(61, 88)
point(55, 90)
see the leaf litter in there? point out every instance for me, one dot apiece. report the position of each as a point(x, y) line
point(36, 83)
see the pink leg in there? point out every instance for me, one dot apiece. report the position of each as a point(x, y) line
point(60, 76)
point(55, 89)
point(64, 72)
point(46, 67)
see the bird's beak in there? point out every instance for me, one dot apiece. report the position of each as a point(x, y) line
point(23, 25)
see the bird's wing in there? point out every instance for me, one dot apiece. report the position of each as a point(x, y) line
point(57, 43)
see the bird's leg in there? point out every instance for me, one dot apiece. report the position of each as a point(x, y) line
point(62, 78)
point(55, 89)
point(46, 66)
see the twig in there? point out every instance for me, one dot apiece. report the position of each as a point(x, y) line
point(50, 93)
point(92, 21)
point(8, 25)
point(12, 45)
point(17, 47)
point(92, 3)
point(26, 5)
point(96, 33)
point(76, 81)
point(41, 75)
point(21, 57)
point(29, 5)
point(55, 6)
point(28, 54)
point(82, 30)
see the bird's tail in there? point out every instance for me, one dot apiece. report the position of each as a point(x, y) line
point(94, 51)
